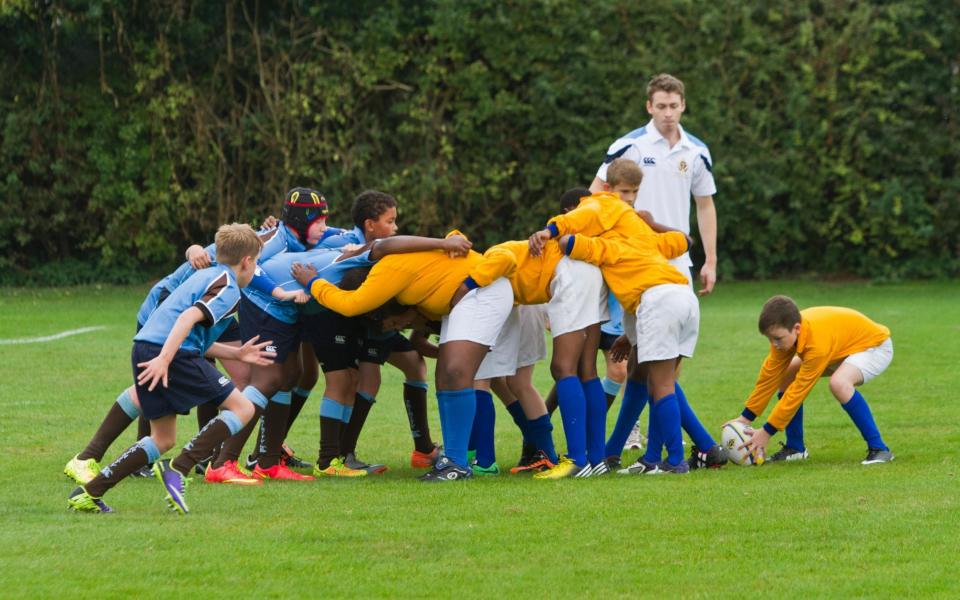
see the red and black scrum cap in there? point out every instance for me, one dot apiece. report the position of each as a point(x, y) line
point(301, 207)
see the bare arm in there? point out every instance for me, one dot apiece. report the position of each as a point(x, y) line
point(250, 352)
point(454, 246)
point(597, 185)
point(707, 222)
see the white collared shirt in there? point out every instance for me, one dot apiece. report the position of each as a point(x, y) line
point(670, 175)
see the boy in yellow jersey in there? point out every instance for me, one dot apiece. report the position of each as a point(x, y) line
point(576, 301)
point(609, 215)
point(470, 325)
point(824, 341)
point(659, 304)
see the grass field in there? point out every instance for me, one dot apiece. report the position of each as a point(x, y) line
point(828, 527)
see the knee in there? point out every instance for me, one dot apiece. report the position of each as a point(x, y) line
point(840, 388)
point(244, 411)
point(560, 369)
point(417, 371)
point(617, 371)
point(453, 377)
point(163, 442)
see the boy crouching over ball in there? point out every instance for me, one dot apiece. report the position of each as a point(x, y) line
point(824, 341)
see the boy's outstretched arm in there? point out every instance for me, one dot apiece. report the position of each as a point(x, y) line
point(250, 352)
point(454, 245)
point(155, 369)
point(380, 286)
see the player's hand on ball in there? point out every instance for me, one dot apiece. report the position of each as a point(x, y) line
point(303, 273)
point(757, 444)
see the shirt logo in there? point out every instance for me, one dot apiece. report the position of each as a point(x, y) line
point(270, 349)
point(649, 161)
point(223, 381)
point(340, 339)
point(683, 166)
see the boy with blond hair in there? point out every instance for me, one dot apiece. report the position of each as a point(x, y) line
point(172, 376)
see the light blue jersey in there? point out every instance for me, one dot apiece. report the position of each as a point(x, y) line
point(214, 291)
point(275, 241)
point(615, 325)
point(324, 260)
point(341, 239)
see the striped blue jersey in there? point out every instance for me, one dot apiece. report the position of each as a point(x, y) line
point(341, 239)
point(214, 291)
point(276, 240)
point(324, 260)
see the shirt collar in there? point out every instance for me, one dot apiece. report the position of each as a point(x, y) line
point(655, 135)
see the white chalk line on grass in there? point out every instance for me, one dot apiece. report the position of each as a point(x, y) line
point(50, 338)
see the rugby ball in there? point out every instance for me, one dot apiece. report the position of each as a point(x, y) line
point(732, 436)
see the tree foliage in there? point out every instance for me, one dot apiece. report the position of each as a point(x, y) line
point(130, 129)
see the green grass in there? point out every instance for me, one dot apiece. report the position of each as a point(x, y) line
point(827, 527)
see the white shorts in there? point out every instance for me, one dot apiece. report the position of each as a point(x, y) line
point(666, 324)
point(520, 344)
point(533, 327)
point(872, 361)
point(480, 315)
point(578, 297)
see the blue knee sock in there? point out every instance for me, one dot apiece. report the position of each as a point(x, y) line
point(667, 412)
point(691, 424)
point(486, 419)
point(457, 409)
point(860, 413)
point(654, 452)
point(794, 429)
point(596, 420)
point(520, 418)
point(541, 435)
point(573, 412)
point(634, 399)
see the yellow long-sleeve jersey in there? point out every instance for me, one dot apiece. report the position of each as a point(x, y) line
point(532, 276)
point(632, 266)
point(426, 280)
point(828, 334)
point(602, 214)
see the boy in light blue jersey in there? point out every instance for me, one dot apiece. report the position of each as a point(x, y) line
point(172, 376)
point(280, 321)
point(374, 216)
point(283, 323)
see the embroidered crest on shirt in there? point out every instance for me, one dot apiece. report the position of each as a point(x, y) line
point(683, 166)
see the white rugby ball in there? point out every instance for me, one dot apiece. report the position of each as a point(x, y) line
point(732, 436)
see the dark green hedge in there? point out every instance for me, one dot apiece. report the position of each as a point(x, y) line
point(130, 129)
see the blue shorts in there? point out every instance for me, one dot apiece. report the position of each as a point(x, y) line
point(378, 350)
point(256, 321)
point(231, 333)
point(337, 340)
point(607, 340)
point(191, 381)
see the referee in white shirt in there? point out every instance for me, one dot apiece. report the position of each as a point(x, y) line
point(675, 165)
